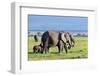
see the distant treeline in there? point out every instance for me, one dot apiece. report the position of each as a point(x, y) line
point(75, 34)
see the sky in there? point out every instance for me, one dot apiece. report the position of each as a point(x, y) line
point(57, 23)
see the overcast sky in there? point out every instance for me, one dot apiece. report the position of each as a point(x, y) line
point(58, 23)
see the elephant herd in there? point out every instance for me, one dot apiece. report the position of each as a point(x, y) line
point(63, 40)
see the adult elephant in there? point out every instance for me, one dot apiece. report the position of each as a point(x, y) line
point(71, 39)
point(52, 38)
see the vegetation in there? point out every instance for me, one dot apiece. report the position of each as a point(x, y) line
point(79, 51)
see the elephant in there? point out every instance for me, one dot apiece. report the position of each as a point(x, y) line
point(37, 48)
point(72, 39)
point(35, 38)
point(54, 38)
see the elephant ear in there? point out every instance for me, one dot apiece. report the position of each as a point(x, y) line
point(63, 37)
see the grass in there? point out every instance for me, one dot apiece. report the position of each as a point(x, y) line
point(78, 52)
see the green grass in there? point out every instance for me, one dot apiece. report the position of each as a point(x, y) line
point(79, 51)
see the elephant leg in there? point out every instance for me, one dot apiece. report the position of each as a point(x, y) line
point(34, 51)
point(60, 46)
point(46, 45)
point(45, 50)
point(42, 51)
point(48, 50)
point(65, 47)
point(59, 49)
point(62, 49)
point(39, 51)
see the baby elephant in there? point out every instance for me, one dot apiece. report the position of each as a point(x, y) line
point(37, 48)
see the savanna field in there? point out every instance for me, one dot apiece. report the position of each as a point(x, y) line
point(79, 51)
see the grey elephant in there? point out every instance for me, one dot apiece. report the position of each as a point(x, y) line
point(71, 39)
point(52, 38)
point(37, 48)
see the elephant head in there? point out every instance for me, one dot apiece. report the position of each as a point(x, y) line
point(65, 37)
point(72, 40)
